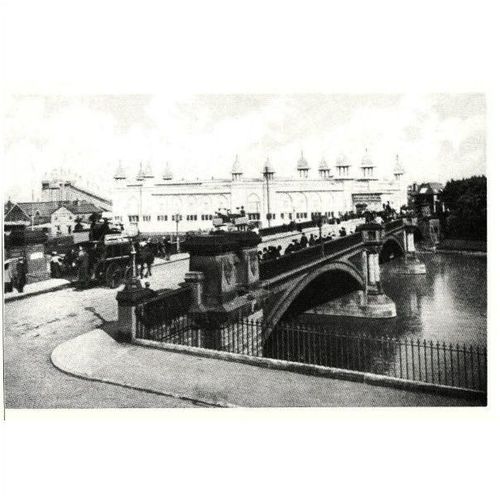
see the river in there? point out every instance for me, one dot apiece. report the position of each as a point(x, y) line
point(446, 304)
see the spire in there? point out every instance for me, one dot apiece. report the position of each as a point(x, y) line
point(140, 174)
point(148, 171)
point(398, 168)
point(120, 172)
point(167, 173)
point(236, 166)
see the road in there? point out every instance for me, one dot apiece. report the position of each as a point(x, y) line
point(35, 326)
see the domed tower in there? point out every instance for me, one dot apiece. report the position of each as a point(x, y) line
point(120, 174)
point(367, 166)
point(303, 167)
point(343, 166)
point(268, 170)
point(148, 171)
point(324, 169)
point(167, 173)
point(236, 171)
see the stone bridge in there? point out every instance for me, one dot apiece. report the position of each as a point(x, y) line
point(229, 282)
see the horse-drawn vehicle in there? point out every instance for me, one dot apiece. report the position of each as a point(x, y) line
point(109, 259)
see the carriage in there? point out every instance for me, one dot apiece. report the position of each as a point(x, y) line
point(110, 259)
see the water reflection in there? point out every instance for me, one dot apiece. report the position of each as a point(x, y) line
point(448, 305)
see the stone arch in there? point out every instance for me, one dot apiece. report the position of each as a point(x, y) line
point(343, 271)
point(392, 247)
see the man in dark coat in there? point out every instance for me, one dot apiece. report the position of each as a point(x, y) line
point(20, 274)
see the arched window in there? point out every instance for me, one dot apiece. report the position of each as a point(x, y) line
point(253, 203)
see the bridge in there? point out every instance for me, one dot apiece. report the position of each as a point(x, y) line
point(227, 282)
point(234, 304)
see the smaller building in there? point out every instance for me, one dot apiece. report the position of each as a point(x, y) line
point(55, 218)
point(425, 198)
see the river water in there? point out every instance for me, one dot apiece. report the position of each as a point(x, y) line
point(438, 336)
point(446, 304)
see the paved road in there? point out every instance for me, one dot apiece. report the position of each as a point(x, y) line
point(35, 326)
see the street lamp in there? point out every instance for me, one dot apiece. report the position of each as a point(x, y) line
point(177, 218)
point(318, 219)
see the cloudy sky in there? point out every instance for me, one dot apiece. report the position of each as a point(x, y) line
point(437, 137)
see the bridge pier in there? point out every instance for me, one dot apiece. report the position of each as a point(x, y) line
point(371, 301)
point(224, 279)
point(411, 264)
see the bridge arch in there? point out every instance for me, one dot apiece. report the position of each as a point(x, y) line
point(392, 247)
point(326, 283)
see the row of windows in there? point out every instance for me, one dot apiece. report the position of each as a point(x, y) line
point(208, 217)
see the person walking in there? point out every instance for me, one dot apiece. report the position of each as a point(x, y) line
point(20, 274)
point(83, 266)
point(55, 266)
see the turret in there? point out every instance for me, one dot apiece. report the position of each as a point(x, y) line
point(343, 166)
point(167, 173)
point(398, 170)
point(148, 172)
point(120, 172)
point(140, 173)
point(268, 171)
point(324, 169)
point(236, 171)
point(303, 167)
point(367, 166)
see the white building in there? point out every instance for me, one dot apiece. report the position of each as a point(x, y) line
point(154, 204)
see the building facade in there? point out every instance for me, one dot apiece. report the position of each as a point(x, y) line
point(59, 187)
point(163, 204)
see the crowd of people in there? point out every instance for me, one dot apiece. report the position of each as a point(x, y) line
point(274, 252)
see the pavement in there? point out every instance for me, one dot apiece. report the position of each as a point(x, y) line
point(97, 356)
point(35, 326)
point(54, 284)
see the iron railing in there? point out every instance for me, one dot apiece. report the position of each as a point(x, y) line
point(156, 316)
point(454, 365)
point(271, 268)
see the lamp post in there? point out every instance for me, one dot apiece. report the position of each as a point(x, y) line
point(318, 219)
point(177, 218)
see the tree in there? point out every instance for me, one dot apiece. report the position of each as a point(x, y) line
point(466, 201)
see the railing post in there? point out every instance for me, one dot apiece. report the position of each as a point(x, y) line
point(128, 300)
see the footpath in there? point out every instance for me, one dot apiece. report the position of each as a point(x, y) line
point(97, 356)
point(54, 284)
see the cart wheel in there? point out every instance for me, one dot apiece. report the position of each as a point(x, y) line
point(114, 275)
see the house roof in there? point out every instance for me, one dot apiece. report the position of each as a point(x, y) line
point(430, 188)
point(44, 209)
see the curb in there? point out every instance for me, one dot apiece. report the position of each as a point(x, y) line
point(324, 371)
point(13, 298)
point(143, 389)
point(27, 295)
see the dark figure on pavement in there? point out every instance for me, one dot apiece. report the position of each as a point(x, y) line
point(146, 257)
point(311, 240)
point(83, 266)
point(55, 266)
point(7, 277)
point(342, 231)
point(20, 274)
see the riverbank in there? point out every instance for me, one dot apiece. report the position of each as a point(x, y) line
point(468, 246)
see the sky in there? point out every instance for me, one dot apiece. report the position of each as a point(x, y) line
point(437, 136)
